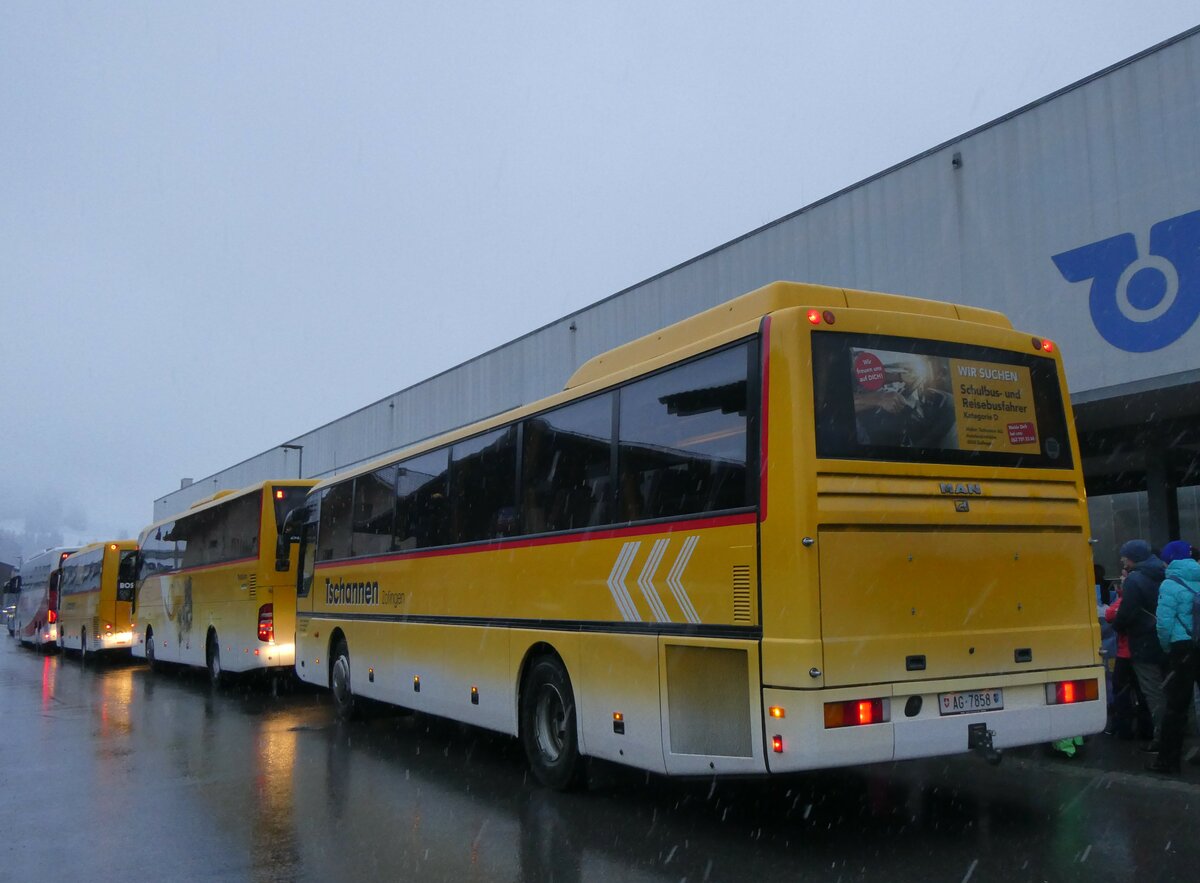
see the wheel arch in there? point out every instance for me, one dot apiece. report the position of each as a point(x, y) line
point(566, 652)
point(334, 636)
point(534, 652)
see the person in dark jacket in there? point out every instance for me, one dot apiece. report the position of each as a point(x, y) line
point(1175, 630)
point(1136, 620)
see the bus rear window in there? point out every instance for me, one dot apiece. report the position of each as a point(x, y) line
point(909, 400)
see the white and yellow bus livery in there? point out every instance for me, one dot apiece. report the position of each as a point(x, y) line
point(95, 597)
point(211, 592)
point(809, 527)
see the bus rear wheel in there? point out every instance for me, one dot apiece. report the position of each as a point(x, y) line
point(339, 680)
point(548, 727)
point(212, 657)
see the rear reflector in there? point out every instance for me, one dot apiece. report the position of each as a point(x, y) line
point(856, 713)
point(1069, 692)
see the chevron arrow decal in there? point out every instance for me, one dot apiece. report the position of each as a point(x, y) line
point(645, 581)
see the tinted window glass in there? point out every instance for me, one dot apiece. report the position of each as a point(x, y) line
point(239, 522)
point(285, 499)
point(484, 478)
point(422, 504)
point(567, 465)
point(158, 553)
point(333, 534)
point(925, 401)
point(126, 574)
point(374, 511)
point(74, 577)
point(198, 538)
point(684, 439)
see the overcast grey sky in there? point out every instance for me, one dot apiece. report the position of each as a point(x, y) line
point(223, 224)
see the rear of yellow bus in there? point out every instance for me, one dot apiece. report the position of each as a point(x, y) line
point(112, 627)
point(925, 560)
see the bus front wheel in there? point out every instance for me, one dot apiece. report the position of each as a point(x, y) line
point(339, 680)
point(548, 727)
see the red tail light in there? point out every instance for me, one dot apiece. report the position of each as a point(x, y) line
point(1070, 692)
point(51, 617)
point(266, 623)
point(856, 712)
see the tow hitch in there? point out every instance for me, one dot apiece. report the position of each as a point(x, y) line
point(979, 740)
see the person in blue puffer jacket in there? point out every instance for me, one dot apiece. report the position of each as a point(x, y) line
point(1175, 626)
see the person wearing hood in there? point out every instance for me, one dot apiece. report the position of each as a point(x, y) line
point(1136, 620)
point(1176, 628)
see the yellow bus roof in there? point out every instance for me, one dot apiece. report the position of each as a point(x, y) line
point(762, 302)
point(213, 499)
point(100, 544)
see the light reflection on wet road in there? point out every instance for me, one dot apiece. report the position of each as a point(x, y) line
point(110, 772)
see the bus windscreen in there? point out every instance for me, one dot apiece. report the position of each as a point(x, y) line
point(912, 400)
point(286, 499)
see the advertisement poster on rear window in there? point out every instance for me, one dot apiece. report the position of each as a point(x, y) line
point(913, 400)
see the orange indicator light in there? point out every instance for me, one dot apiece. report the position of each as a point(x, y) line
point(777, 711)
point(617, 716)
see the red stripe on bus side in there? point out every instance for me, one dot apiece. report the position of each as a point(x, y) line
point(764, 411)
point(585, 536)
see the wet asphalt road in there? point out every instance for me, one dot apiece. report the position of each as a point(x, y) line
point(110, 772)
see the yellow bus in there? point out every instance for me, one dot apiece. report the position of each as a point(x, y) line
point(211, 591)
point(809, 527)
point(95, 595)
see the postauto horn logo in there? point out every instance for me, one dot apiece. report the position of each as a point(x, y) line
point(1141, 303)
